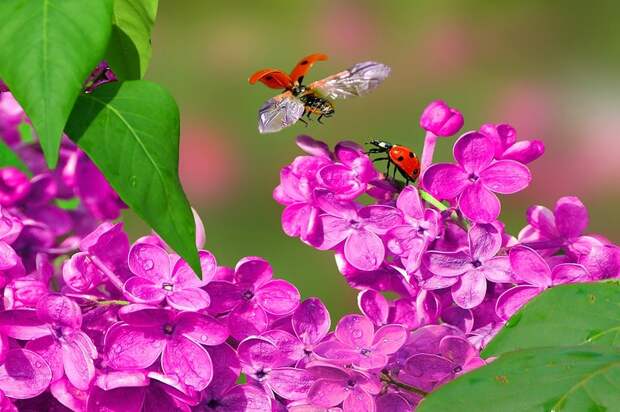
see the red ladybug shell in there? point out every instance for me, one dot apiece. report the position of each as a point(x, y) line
point(406, 161)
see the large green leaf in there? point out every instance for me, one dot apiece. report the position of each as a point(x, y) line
point(564, 315)
point(47, 50)
point(9, 158)
point(129, 50)
point(131, 131)
point(575, 378)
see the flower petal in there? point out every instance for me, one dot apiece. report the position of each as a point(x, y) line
point(116, 400)
point(484, 241)
point(278, 297)
point(247, 319)
point(50, 350)
point(409, 202)
point(511, 300)
point(78, 365)
point(389, 339)
point(457, 349)
point(445, 180)
point(429, 367)
point(327, 392)
point(364, 250)
point(201, 328)
point(245, 398)
point(337, 352)
point(192, 299)
point(506, 176)
point(328, 202)
point(226, 368)
point(447, 264)
point(355, 331)
point(143, 290)
point(497, 270)
point(253, 271)
point(359, 401)
point(129, 347)
point(393, 402)
point(60, 311)
point(459, 317)
point(571, 216)
point(311, 321)
point(257, 353)
point(380, 218)
point(335, 230)
point(291, 348)
point(228, 296)
point(569, 273)
point(68, 395)
point(290, 383)
point(189, 361)
point(470, 290)
point(374, 306)
point(149, 262)
point(184, 277)
point(529, 266)
point(474, 152)
point(479, 204)
point(24, 374)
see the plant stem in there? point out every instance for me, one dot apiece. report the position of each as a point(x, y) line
point(389, 380)
point(430, 199)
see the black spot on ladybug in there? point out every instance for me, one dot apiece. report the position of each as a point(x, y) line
point(415, 172)
point(411, 155)
point(303, 63)
point(400, 158)
point(268, 77)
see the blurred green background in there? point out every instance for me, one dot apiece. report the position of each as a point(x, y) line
point(548, 68)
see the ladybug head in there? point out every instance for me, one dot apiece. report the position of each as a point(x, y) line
point(381, 144)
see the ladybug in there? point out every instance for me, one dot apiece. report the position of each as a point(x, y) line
point(403, 159)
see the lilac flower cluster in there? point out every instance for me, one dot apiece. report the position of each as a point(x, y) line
point(92, 322)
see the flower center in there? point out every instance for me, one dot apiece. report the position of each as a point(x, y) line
point(354, 224)
point(168, 329)
point(457, 369)
point(365, 352)
point(351, 383)
point(167, 287)
point(248, 294)
point(213, 403)
point(473, 178)
point(260, 374)
point(476, 263)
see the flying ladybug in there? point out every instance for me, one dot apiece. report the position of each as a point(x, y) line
point(299, 100)
point(402, 158)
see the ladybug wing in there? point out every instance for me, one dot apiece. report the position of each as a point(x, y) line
point(272, 78)
point(279, 112)
point(305, 64)
point(356, 81)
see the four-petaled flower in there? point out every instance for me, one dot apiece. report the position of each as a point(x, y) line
point(476, 178)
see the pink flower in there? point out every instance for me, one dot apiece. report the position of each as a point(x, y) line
point(440, 119)
point(354, 389)
point(162, 276)
point(252, 297)
point(358, 229)
point(262, 361)
point(148, 332)
point(529, 267)
point(475, 178)
point(470, 269)
point(357, 343)
point(504, 139)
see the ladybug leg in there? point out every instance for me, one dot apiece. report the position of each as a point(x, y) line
point(303, 121)
point(319, 119)
point(380, 158)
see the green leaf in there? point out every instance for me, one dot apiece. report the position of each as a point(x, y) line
point(129, 50)
point(26, 133)
point(574, 378)
point(47, 50)
point(131, 131)
point(8, 158)
point(565, 315)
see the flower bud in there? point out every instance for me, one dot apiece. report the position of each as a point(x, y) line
point(440, 119)
point(24, 292)
point(525, 151)
point(80, 273)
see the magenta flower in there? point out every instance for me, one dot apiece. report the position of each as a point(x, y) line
point(347, 178)
point(355, 390)
point(53, 331)
point(263, 362)
point(223, 394)
point(453, 355)
point(252, 297)
point(440, 119)
point(421, 227)
point(298, 181)
point(11, 115)
point(504, 139)
point(161, 276)
point(374, 306)
point(358, 229)
point(529, 267)
point(14, 186)
point(470, 269)
point(357, 343)
point(148, 332)
point(558, 228)
point(475, 179)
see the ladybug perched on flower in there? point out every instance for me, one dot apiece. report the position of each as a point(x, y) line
point(403, 159)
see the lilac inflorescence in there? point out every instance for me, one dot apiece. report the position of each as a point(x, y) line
point(91, 321)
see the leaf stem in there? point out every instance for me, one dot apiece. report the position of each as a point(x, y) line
point(389, 380)
point(430, 199)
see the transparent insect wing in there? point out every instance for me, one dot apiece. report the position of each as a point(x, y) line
point(279, 112)
point(356, 81)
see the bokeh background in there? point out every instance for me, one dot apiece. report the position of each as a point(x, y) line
point(551, 69)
